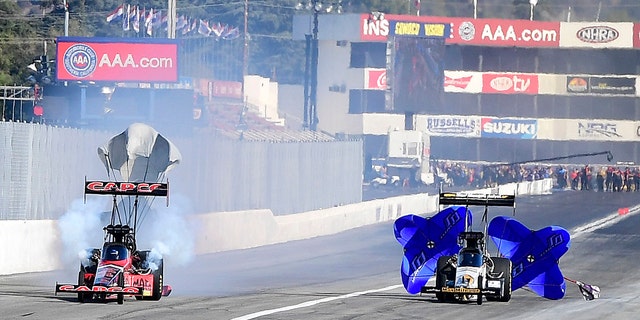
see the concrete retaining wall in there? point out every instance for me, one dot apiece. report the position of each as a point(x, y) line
point(34, 245)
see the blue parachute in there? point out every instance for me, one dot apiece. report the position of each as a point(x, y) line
point(425, 240)
point(534, 255)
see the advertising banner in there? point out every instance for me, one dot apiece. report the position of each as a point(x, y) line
point(636, 35)
point(601, 85)
point(596, 35)
point(610, 85)
point(120, 60)
point(453, 126)
point(375, 79)
point(466, 31)
point(588, 130)
point(506, 83)
point(226, 89)
point(462, 81)
point(416, 29)
point(509, 128)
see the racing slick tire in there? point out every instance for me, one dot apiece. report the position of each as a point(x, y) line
point(156, 293)
point(158, 276)
point(441, 278)
point(82, 297)
point(503, 265)
point(120, 297)
point(479, 301)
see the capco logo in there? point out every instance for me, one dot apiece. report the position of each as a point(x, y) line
point(80, 60)
point(597, 34)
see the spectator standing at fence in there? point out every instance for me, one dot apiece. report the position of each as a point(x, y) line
point(608, 181)
point(575, 177)
point(628, 178)
point(600, 181)
point(617, 181)
point(561, 177)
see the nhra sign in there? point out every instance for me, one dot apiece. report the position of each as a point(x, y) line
point(509, 128)
point(466, 31)
point(596, 35)
point(453, 126)
point(507, 83)
point(121, 60)
point(375, 79)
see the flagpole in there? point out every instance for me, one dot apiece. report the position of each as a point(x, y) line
point(66, 18)
point(475, 9)
point(245, 60)
point(171, 19)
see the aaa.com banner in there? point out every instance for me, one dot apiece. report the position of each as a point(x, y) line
point(466, 31)
point(122, 60)
point(588, 130)
point(509, 128)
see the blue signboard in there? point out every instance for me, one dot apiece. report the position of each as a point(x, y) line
point(509, 128)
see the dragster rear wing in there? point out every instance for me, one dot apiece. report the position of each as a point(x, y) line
point(126, 188)
point(153, 189)
point(477, 199)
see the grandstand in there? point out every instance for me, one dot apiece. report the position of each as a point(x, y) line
point(514, 90)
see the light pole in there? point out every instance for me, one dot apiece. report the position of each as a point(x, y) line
point(532, 4)
point(313, 92)
point(310, 121)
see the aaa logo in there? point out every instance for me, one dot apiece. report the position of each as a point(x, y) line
point(80, 60)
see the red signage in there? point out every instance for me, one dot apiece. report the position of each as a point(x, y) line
point(636, 35)
point(122, 60)
point(227, 89)
point(376, 79)
point(483, 32)
point(509, 83)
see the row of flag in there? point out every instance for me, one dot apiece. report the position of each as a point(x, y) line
point(142, 21)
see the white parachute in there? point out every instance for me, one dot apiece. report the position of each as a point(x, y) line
point(138, 154)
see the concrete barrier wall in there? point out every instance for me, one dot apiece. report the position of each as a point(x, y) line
point(28, 246)
point(34, 245)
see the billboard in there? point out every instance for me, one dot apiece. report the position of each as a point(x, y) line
point(417, 66)
point(375, 79)
point(509, 128)
point(601, 85)
point(462, 81)
point(596, 35)
point(452, 126)
point(505, 83)
point(467, 31)
point(116, 60)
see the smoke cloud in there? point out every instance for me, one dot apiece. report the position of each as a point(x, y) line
point(80, 230)
point(169, 234)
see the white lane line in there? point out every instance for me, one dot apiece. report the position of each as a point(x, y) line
point(604, 222)
point(313, 303)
